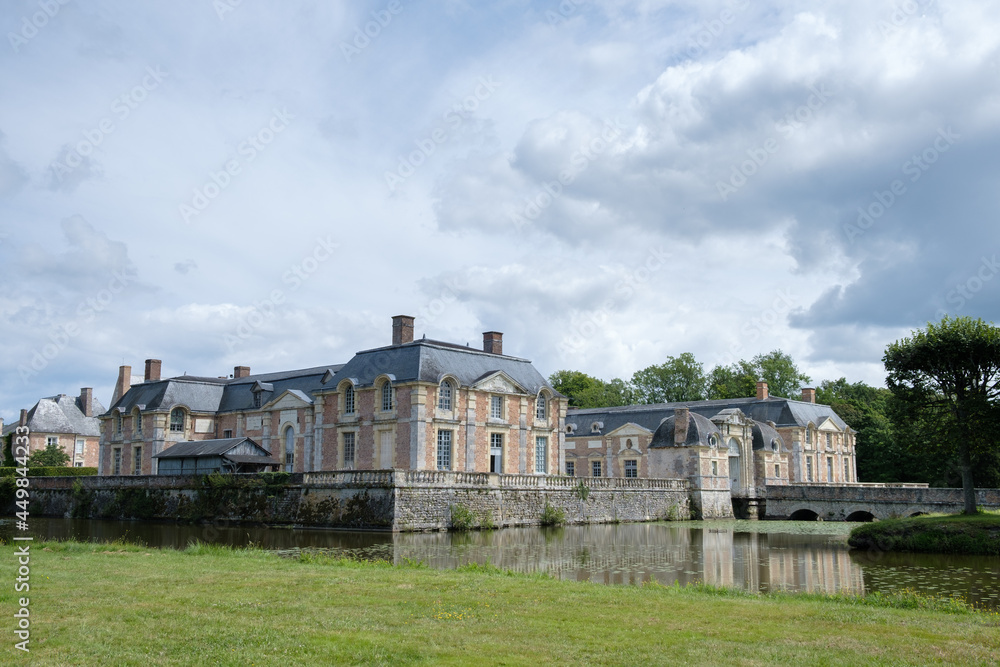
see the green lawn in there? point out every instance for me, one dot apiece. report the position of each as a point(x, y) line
point(973, 534)
point(125, 605)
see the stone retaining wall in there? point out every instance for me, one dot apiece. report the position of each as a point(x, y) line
point(836, 502)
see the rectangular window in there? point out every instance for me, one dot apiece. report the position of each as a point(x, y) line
point(444, 450)
point(349, 401)
point(116, 465)
point(496, 452)
point(257, 400)
point(228, 433)
point(386, 397)
point(631, 468)
point(137, 424)
point(444, 396)
point(541, 454)
point(52, 441)
point(571, 468)
point(829, 468)
point(79, 447)
point(809, 469)
point(777, 470)
point(595, 468)
point(829, 441)
point(847, 470)
point(496, 407)
point(137, 461)
point(78, 464)
point(349, 449)
point(715, 468)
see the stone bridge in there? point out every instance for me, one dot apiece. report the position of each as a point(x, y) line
point(865, 502)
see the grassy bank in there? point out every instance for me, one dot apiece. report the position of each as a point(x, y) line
point(976, 534)
point(123, 604)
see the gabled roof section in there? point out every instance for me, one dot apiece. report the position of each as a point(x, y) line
point(62, 414)
point(499, 382)
point(218, 447)
point(629, 428)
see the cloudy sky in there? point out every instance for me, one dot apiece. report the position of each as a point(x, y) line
point(608, 183)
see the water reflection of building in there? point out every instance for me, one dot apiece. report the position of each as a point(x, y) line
point(636, 553)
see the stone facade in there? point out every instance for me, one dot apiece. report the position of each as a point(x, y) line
point(414, 405)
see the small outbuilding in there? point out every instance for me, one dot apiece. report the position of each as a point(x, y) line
point(203, 457)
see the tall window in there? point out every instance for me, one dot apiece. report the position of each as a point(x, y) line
point(349, 400)
point(289, 449)
point(137, 423)
point(496, 407)
point(541, 454)
point(571, 468)
point(777, 470)
point(444, 396)
point(118, 424)
point(386, 397)
point(258, 399)
point(177, 420)
point(80, 443)
point(595, 468)
point(496, 452)
point(137, 461)
point(540, 407)
point(829, 468)
point(829, 441)
point(349, 449)
point(631, 468)
point(809, 469)
point(847, 470)
point(116, 461)
point(444, 450)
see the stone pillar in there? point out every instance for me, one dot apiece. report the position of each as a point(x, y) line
point(470, 432)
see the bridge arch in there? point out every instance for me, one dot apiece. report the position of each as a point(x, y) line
point(804, 514)
point(861, 516)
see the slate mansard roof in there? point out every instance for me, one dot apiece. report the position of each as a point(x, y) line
point(782, 411)
point(62, 414)
point(417, 361)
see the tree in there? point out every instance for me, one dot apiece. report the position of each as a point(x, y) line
point(947, 379)
point(52, 455)
point(572, 384)
point(678, 379)
point(739, 380)
point(586, 391)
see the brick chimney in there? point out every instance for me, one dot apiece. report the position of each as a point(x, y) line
point(402, 329)
point(681, 418)
point(152, 370)
point(808, 394)
point(24, 418)
point(87, 402)
point(124, 383)
point(761, 390)
point(241, 371)
point(493, 342)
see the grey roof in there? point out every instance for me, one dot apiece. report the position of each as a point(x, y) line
point(763, 435)
point(429, 360)
point(62, 414)
point(781, 411)
point(202, 394)
point(699, 430)
point(198, 448)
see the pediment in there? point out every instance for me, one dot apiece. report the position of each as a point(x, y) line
point(290, 399)
point(828, 425)
point(629, 429)
point(498, 383)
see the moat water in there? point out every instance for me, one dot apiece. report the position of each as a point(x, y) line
point(754, 555)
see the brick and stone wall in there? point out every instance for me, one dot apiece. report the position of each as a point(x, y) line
point(836, 502)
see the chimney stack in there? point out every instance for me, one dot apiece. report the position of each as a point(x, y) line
point(124, 383)
point(152, 370)
point(761, 390)
point(808, 394)
point(24, 418)
point(241, 371)
point(493, 342)
point(402, 329)
point(87, 401)
point(681, 418)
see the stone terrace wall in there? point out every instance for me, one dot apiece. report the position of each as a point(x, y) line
point(385, 499)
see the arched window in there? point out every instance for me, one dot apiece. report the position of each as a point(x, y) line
point(386, 396)
point(177, 420)
point(444, 395)
point(136, 423)
point(349, 400)
point(289, 449)
point(118, 424)
point(541, 407)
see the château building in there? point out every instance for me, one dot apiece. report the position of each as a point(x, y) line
point(69, 422)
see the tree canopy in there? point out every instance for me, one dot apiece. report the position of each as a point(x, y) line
point(945, 380)
point(677, 379)
point(52, 455)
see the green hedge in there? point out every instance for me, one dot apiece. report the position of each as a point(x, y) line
point(45, 471)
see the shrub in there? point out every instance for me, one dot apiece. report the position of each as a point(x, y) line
point(486, 521)
point(553, 516)
point(51, 471)
point(581, 491)
point(462, 518)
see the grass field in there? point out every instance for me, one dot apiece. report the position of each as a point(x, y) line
point(972, 534)
point(99, 604)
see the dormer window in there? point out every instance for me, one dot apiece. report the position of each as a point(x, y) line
point(177, 420)
point(387, 397)
point(118, 424)
point(349, 400)
point(540, 407)
point(258, 399)
point(596, 427)
point(137, 422)
point(445, 395)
